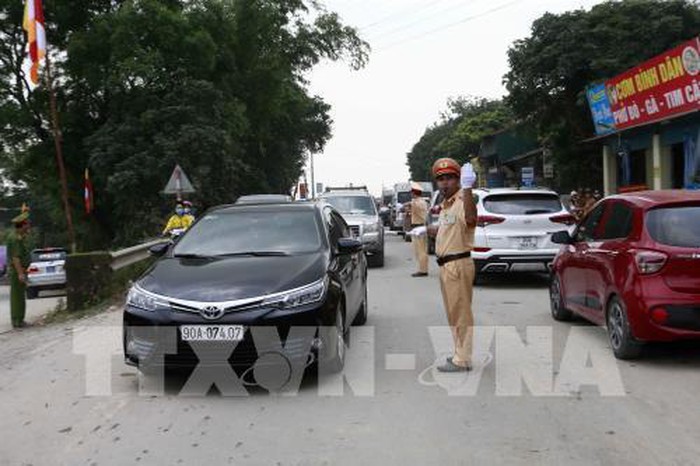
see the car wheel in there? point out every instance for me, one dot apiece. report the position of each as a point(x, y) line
point(361, 318)
point(556, 301)
point(32, 293)
point(623, 343)
point(406, 237)
point(377, 260)
point(337, 361)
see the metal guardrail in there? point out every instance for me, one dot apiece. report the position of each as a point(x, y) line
point(128, 256)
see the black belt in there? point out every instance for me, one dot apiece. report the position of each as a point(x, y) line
point(414, 225)
point(452, 257)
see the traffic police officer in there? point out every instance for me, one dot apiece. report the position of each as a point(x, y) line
point(419, 214)
point(18, 254)
point(453, 246)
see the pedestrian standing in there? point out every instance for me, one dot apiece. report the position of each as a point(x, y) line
point(18, 254)
point(419, 215)
point(454, 242)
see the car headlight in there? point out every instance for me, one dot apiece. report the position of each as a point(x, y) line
point(371, 228)
point(299, 297)
point(143, 300)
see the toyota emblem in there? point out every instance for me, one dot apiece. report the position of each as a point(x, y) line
point(211, 312)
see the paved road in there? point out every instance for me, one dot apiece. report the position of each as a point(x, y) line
point(648, 412)
point(36, 308)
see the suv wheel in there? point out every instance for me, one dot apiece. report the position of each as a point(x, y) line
point(376, 260)
point(361, 318)
point(340, 335)
point(32, 293)
point(623, 343)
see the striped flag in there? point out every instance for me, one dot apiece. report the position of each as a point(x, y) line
point(87, 194)
point(36, 35)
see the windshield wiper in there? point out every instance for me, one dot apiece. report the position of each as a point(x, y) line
point(538, 211)
point(192, 256)
point(255, 254)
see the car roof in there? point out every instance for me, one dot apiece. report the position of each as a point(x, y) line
point(646, 199)
point(264, 198)
point(265, 207)
point(345, 194)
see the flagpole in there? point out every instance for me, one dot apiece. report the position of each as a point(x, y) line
point(55, 126)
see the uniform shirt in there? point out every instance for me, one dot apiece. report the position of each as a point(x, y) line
point(454, 236)
point(419, 211)
point(178, 222)
point(17, 247)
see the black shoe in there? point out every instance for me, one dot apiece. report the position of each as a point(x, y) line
point(419, 274)
point(452, 367)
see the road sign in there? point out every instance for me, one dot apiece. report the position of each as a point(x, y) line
point(528, 176)
point(178, 183)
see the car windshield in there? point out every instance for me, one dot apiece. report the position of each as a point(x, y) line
point(45, 256)
point(262, 232)
point(352, 205)
point(403, 197)
point(675, 226)
point(522, 204)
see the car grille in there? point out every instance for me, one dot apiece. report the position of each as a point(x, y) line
point(355, 230)
point(245, 353)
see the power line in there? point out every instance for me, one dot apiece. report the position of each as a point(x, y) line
point(450, 25)
point(400, 14)
point(421, 20)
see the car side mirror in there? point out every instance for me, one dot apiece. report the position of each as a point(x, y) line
point(562, 237)
point(159, 249)
point(348, 246)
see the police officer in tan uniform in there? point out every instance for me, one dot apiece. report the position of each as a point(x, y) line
point(454, 242)
point(418, 216)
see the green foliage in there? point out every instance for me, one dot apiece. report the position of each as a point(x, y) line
point(214, 85)
point(459, 133)
point(550, 70)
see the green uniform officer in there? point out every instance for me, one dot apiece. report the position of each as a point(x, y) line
point(18, 255)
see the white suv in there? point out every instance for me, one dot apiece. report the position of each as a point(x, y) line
point(515, 227)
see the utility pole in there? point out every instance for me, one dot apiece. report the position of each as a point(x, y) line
point(58, 139)
point(313, 179)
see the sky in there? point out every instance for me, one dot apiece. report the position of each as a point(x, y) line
point(423, 53)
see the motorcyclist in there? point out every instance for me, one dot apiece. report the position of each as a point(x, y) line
point(188, 210)
point(179, 222)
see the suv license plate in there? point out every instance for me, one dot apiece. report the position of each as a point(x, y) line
point(212, 332)
point(528, 242)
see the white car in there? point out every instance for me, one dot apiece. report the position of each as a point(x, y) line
point(46, 271)
point(514, 229)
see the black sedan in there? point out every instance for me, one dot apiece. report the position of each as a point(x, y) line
point(250, 285)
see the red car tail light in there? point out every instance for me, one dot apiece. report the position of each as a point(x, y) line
point(649, 262)
point(32, 270)
point(485, 220)
point(566, 219)
point(481, 249)
point(659, 315)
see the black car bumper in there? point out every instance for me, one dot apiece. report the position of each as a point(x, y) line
point(154, 339)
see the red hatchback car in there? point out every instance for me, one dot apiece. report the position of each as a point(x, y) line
point(633, 265)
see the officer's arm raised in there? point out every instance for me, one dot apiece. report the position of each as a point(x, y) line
point(469, 207)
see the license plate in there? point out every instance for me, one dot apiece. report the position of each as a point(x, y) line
point(528, 242)
point(212, 332)
point(50, 269)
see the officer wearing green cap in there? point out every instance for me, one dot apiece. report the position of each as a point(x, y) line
point(18, 255)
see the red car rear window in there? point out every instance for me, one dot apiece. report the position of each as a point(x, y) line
point(675, 226)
